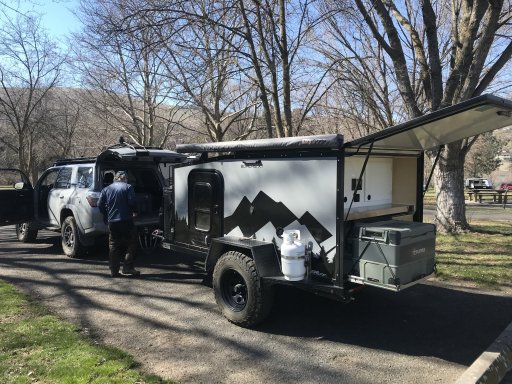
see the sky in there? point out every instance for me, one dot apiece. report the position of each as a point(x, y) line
point(57, 15)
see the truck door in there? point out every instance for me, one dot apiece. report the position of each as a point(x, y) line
point(59, 195)
point(16, 197)
point(205, 206)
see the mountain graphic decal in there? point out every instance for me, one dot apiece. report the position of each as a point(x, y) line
point(250, 217)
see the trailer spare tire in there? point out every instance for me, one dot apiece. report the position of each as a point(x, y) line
point(239, 291)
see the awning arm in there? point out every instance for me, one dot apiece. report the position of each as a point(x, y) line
point(440, 149)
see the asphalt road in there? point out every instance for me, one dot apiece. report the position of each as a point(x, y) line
point(169, 321)
point(476, 211)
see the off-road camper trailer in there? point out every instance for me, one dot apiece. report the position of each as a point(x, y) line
point(314, 212)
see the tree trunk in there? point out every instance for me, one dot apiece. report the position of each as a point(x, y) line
point(449, 183)
point(285, 65)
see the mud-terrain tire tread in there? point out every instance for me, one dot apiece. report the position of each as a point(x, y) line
point(259, 297)
point(78, 249)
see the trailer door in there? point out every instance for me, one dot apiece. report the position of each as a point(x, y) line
point(205, 209)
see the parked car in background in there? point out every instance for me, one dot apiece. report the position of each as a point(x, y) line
point(477, 183)
point(507, 186)
point(65, 197)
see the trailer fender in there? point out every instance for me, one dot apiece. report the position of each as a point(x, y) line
point(264, 254)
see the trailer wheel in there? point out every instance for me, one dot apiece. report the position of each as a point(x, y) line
point(239, 290)
point(71, 244)
point(25, 233)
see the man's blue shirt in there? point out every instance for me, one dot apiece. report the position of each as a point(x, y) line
point(117, 202)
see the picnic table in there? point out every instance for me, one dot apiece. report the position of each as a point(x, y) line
point(498, 195)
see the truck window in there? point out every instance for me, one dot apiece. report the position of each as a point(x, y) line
point(84, 177)
point(64, 178)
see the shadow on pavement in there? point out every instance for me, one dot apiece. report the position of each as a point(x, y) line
point(424, 320)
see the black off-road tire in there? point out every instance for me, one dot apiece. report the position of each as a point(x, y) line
point(239, 291)
point(70, 238)
point(25, 233)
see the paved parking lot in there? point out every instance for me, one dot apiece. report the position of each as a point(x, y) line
point(169, 321)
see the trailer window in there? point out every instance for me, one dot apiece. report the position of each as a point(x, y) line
point(202, 197)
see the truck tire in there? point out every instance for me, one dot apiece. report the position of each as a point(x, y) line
point(147, 242)
point(25, 233)
point(239, 290)
point(70, 239)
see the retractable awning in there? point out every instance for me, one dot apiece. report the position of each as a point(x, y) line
point(470, 118)
point(333, 141)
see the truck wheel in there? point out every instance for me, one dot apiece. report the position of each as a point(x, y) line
point(147, 242)
point(239, 290)
point(70, 241)
point(25, 233)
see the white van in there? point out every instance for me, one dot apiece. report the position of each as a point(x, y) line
point(477, 183)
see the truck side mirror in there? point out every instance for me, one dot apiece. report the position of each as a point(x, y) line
point(20, 185)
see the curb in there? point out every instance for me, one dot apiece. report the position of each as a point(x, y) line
point(492, 365)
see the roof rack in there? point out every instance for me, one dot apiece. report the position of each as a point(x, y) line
point(123, 144)
point(78, 160)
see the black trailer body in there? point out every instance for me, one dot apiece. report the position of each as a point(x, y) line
point(355, 207)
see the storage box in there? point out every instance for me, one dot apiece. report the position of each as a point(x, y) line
point(394, 253)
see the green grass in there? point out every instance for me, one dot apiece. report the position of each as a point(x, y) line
point(37, 347)
point(482, 257)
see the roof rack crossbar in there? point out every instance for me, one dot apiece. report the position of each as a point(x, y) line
point(76, 160)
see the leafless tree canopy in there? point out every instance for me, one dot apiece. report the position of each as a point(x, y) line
point(161, 73)
point(434, 54)
point(30, 67)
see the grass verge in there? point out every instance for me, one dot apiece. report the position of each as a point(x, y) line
point(37, 347)
point(481, 258)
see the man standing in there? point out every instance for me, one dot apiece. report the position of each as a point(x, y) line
point(118, 205)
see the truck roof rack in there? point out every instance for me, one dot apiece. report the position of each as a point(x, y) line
point(123, 143)
point(78, 160)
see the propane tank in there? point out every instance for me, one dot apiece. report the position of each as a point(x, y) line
point(293, 256)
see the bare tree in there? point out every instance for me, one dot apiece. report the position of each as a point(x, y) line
point(59, 125)
point(276, 37)
point(483, 158)
point(123, 70)
point(441, 53)
point(270, 41)
point(364, 97)
point(203, 62)
point(30, 67)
